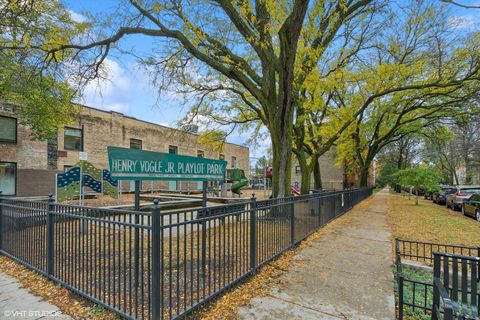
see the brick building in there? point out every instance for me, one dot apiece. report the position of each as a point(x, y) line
point(332, 176)
point(28, 167)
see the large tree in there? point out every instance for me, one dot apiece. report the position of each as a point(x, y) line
point(467, 142)
point(419, 75)
point(439, 151)
point(259, 51)
point(38, 90)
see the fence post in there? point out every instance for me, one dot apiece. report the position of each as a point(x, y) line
point(1, 221)
point(157, 227)
point(204, 244)
point(448, 313)
point(436, 291)
point(478, 248)
point(400, 296)
point(136, 264)
point(50, 235)
point(253, 235)
point(292, 222)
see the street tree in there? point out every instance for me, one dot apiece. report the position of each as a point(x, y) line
point(467, 142)
point(331, 103)
point(411, 80)
point(386, 173)
point(439, 151)
point(259, 51)
point(402, 152)
point(424, 178)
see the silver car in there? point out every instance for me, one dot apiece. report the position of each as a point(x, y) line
point(455, 199)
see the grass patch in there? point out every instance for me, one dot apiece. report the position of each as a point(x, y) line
point(418, 295)
point(430, 222)
point(425, 222)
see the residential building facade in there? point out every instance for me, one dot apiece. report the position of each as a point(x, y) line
point(333, 177)
point(28, 167)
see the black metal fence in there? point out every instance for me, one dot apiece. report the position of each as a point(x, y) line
point(154, 265)
point(416, 296)
point(423, 251)
point(456, 293)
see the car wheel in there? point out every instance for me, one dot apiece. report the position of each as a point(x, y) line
point(477, 213)
point(447, 205)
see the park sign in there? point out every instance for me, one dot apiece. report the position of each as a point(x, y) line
point(134, 164)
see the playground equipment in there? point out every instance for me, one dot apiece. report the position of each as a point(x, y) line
point(238, 179)
point(295, 190)
point(69, 185)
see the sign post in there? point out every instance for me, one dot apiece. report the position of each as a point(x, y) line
point(137, 233)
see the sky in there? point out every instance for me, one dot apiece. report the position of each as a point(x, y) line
point(129, 90)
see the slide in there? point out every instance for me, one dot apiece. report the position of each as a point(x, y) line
point(294, 190)
point(238, 179)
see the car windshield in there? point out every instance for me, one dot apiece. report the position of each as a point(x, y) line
point(447, 191)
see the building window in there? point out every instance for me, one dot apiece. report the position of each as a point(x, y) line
point(136, 144)
point(8, 178)
point(234, 162)
point(221, 157)
point(73, 139)
point(172, 149)
point(200, 154)
point(8, 129)
point(297, 170)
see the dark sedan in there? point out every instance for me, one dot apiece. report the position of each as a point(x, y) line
point(471, 207)
point(440, 197)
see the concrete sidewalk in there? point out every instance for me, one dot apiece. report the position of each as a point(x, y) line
point(345, 273)
point(19, 303)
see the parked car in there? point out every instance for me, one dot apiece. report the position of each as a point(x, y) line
point(418, 192)
point(471, 206)
point(455, 199)
point(439, 197)
point(258, 186)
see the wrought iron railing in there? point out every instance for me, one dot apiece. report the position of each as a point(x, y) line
point(154, 265)
point(415, 296)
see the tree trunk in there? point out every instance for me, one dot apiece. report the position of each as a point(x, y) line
point(306, 172)
point(364, 172)
point(306, 180)
point(317, 176)
point(288, 36)
point(467, 170)
point(455, 176)
point(282, 151)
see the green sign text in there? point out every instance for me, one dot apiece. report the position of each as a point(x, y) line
point(132, 164)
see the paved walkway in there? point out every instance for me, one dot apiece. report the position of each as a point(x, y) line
point(18, 303)
point(345, 273)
